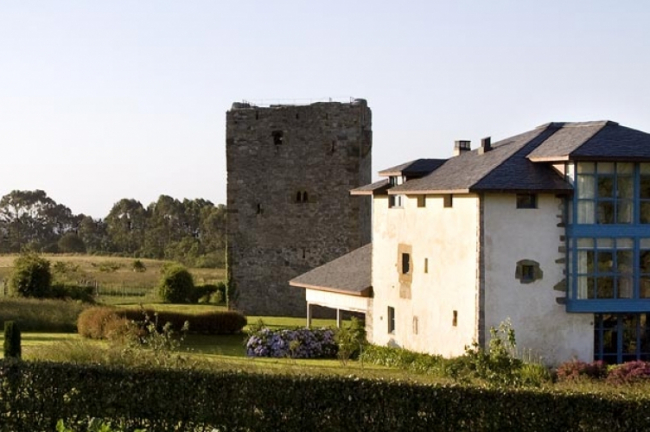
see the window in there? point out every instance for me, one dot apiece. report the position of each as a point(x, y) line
point(395, 201)
point(415, 325)
point(391, 320)
point(302, 197)
point(607, 191)
point(454, 320)
point(526, 201)
point(528, 271)
point(426, 265)
point(278, 137)
point(448, 201)
point(620, 338)
point(604, 268)
point(422, 201)
point(406, 263)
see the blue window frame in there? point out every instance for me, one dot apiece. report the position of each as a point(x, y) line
point(620, 338)
point(608, 238)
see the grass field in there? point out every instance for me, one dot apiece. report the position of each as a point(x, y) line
point(114, 277)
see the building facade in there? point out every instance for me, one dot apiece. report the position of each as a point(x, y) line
point(549, 229)
point(290, 169)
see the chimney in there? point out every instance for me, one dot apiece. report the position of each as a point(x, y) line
point(461, 146)
point(486, 145)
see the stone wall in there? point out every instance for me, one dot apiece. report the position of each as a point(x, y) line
point(290, 170)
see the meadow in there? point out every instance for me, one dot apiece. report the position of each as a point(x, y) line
point(114, 278)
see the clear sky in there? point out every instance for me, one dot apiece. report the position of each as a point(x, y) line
point(103, 100)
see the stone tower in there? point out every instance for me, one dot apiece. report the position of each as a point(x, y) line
point(290, 170)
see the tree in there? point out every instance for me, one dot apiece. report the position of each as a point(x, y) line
point(71, 243)
point(176, 284)
point(31, 276)
point(94, 234)
point(32, 219)
point(126, 224)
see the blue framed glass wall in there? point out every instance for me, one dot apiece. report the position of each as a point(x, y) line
point(608, 238)
point(620, 338)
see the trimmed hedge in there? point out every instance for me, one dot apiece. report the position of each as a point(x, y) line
point(96, 321)
point(33, 396)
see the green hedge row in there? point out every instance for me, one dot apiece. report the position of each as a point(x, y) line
point(96, 322)
point(220, 322)
point(33, 396)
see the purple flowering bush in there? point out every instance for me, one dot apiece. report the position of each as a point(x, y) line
point(629, 372)
point(294, 343)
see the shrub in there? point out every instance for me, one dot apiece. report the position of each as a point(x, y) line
point(44, 315)
point(99, 322)
point(350, 340)
point(202, 293)
point(576, 369)
point(628, 373)
point(496, 366)
point(95, 322)
point(72, 292)
point(34, 396)
point(294, 343)
point(71, 243)
point(176, 285)
point(138, 266)
point(12, 346)
point(31, 276)
point(404, 359)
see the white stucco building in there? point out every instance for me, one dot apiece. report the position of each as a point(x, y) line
point(549, 228)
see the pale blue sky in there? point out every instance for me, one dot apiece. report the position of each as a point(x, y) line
point(103, 100)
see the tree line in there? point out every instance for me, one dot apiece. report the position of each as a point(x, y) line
point(190, 231)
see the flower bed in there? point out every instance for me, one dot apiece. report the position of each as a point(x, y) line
point(293, 343)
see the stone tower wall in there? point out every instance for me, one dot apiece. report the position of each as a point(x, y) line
point(290, 170)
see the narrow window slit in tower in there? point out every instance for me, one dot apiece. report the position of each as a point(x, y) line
point(278, 137)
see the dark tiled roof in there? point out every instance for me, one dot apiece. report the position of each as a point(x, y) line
point(349, 274)
point(603, 140)
point(568, 138)
point(416, 168)
point(615, 142)
point(377, 188)
point(504, 167)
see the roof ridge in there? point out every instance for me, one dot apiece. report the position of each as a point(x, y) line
point(578, 124)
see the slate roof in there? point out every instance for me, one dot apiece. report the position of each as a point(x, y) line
point(503, 168)
point(349, 274)
point(416, 168)
point(604, 140)
point(569, 137)
point(377, 188)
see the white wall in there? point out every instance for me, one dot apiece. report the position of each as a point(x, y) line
point(448, 238)
point(540, 324)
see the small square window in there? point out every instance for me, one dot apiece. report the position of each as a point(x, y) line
point(406, 263)
point(391, 320)
point(395, 201)
point(422, 201)
point(527, 273)
point(526, 201)
point(448, 201)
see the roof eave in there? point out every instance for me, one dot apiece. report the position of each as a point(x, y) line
point(363, 293)
point(549, 158)
point(428, 191)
